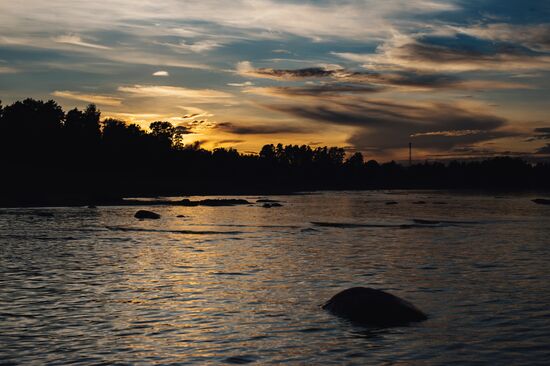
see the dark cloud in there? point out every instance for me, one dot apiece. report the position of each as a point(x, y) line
point(224, 142)
point(543, 150)
point(259, 129)
point(184, 130)
point(541, 133)
point(317, 90)
point(389, 125)
point(369, 81)
point(311, 72)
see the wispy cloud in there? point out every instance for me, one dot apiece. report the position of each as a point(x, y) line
point(197, 47)
point(7, 70)
point(161, 73)
point(76, 40)
point(91, 98)
point(160, 91)
point(410, 53)
point(247, 129)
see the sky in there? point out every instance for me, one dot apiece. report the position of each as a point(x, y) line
point(456, 78)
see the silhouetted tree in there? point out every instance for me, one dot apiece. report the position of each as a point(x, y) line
point(48, 154)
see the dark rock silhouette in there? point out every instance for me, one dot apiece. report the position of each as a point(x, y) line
point(391, 203)
point(419, 202)
point(92, 206)
point(270, 205)
point(180, 216)
point(439, 203)
point(144, 214)
point(369, 306)
point(542, 201)
point(214, 202)
point(266, 201)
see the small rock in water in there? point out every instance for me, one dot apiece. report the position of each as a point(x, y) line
point(181, 216)
point(369, 306)
point(542, 201)
point(391, 203)
point(419, 203)
point(269, 205)
point(144, 214)
point(92, 206)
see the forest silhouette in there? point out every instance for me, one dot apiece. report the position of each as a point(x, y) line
point(52, 157)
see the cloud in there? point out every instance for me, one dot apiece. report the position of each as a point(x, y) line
point(450, 54)
point(533, 36)
point(239, 129)
point(543, 150)
point(161, 73)
point(387, 125)
point(453, 133)
point(7, 70)
point(541, 133)
point(246, 83)
point(197, 47)
point(159, 91)
point(229, 141)
point(75, 40)
point(335, 89)
point(251, 19)
point(402, 78)
point(91, 98)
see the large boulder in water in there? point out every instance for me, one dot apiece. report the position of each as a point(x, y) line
point(144, 214)
point(368, 306)
point(542, 201)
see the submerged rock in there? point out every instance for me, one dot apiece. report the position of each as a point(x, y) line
point(269, 205)
point(542, 201)
point(369, 306)
point(144, 214)
point(391, 203)
point(419, 202)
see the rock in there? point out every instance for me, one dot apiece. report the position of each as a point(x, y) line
point(419, 202)
point(269, 205)
point(439, 203)
point(92, 206)
point(180, 216)
point(369, 306)
point(391, 203)
point(144, 214)
point(541, 201)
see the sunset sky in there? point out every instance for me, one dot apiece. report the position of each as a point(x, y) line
point(457, 78)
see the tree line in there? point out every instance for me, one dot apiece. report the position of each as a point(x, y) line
point(52, 155)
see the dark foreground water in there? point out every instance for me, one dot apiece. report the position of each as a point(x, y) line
point(244, 284)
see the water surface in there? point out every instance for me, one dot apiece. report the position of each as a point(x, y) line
point(243, 284)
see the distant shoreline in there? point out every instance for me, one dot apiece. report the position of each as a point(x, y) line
point(160, 200)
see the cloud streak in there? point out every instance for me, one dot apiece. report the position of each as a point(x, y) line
point(163, 91)
point(91, 98)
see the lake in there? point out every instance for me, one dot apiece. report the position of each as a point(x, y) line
point(243, 284)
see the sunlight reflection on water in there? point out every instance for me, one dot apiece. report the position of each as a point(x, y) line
point(243, 284)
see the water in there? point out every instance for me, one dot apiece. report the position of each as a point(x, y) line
point(244, 284)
